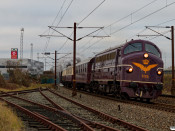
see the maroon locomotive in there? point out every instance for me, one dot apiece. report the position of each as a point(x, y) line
point(131, 70)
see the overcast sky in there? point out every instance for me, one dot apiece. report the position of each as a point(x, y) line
point(36, 15)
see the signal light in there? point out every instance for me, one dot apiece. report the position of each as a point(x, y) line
point(146, 55)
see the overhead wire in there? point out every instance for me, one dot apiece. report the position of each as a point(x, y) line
point(60, 19)
point(132, 13)
point(142, 18)
point(159, 25)
point(91, 12)
point(146, 29)
point(48, 40)
point(128, 15)
point(159, 36)
point(82, 22)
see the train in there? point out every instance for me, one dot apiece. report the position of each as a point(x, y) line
point(131, 70)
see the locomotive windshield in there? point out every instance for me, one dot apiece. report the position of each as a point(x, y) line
point(133, 48)
point(152, 49)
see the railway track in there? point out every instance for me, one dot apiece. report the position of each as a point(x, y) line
point(20, 92)
point(152, 105)
point(79, 116)
point(53, 118)
point(86, 113)
point(167, 96)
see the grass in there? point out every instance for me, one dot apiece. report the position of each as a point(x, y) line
point(167, 84)
point(20, 88)
point(8, 119)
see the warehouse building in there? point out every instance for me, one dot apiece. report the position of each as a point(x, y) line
point(33, 67)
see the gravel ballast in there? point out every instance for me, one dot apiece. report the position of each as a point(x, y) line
point(147, 118)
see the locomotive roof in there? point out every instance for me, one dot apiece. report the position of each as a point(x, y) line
point(80, 63)
point(110, 49)
point(118, 46)
point(84, 61)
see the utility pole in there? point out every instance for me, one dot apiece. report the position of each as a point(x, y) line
point(55, 68)
point(172, 40)
point(31, 55)
point(21, 44)
point(38, 56)
point(48, 53)
point(45, 64)
point(74, 93)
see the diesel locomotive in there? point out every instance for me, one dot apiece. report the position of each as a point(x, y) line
point(131, 70)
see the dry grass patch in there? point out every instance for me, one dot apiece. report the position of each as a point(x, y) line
point(8, 119)
point(167, 84)
point(20, 88)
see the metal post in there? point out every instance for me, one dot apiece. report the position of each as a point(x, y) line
point(45, 64)
point(172, 38)
point(74, 93)
point(55, 68)
point(38, 56)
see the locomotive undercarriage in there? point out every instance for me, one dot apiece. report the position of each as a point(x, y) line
point(109, 88)
point(142, 90)
point(128, 90)
point(132, 90)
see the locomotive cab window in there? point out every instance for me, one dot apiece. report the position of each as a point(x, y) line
point(133, 48)
point(152, 49)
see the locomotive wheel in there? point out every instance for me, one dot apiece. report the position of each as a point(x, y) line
point(91, 87)
point(125, 96)
point(141, 99)
point(148, 100)
point(91, 90)
point(96, 87)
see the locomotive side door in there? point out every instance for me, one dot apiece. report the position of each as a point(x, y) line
point(117, 70)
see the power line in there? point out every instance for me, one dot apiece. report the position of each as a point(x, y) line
point(47, 43)
point(58, 12)
point(128, 15)
point(55, 17)
point(143, 18)
point(155, 25)
point(92, 45)
point(65, 12)
point(131, 13)
point(81, 22)
point(166, 22)
point(91, 12)
point(158, 36)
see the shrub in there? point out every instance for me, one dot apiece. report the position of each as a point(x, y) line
point(167, 84)
point(19, 77)
point(2, 81)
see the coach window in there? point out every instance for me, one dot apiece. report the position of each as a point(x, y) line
point(152, 49)
point(133, 47)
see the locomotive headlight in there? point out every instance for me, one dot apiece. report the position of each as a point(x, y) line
point(145, 55)
point(159, 72)
point(130, 70)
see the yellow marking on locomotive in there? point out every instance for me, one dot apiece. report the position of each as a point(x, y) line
point(145, 62)
point(145, 76)
point(144, 68)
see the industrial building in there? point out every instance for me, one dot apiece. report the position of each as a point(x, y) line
point(33, 67)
